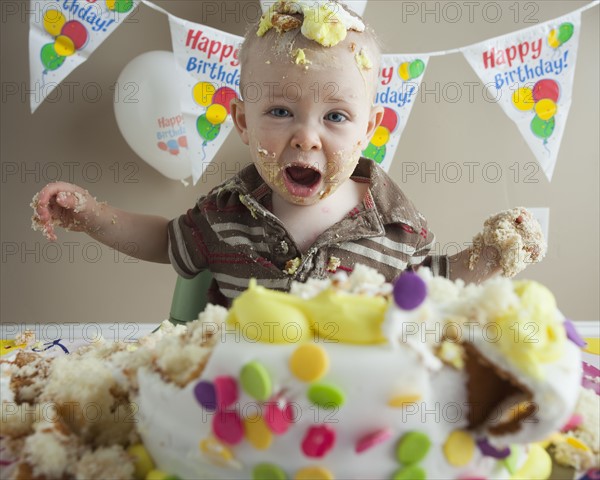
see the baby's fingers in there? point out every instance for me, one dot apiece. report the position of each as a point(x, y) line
point(75, 200)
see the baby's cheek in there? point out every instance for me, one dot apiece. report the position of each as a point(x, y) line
point(341, 165)
point(266, 163)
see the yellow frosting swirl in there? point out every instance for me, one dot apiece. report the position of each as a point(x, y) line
point(270, 316)
point(532, 333)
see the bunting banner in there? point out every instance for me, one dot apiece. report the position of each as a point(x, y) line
point(64, 33)
point(399, 80)
point(208, 71)
point(530, 74)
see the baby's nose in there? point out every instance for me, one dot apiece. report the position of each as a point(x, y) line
point(306, 138)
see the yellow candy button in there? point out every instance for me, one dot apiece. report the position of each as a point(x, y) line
point(459, 448)
point(142, 461)
point(257, 432)
point(593, 346)
point(309, 362)
point(216, 451)
point(538, 465)
point(574, 442)
point(401, 401)
point(313, 473)
point(157, 475)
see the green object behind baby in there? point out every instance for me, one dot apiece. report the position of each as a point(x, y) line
point(189, 297)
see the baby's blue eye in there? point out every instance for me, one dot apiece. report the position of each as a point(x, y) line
point(279, 112)
point(336, 117)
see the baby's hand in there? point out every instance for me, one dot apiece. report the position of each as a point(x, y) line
point(62, 204)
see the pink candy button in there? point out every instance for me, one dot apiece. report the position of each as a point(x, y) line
point(318, 441)
point(573, 423)
point(278, 416)
point(227, 426)
point(226, 391)
point(372, 439)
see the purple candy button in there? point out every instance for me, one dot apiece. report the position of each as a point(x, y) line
point(572, 333)
point(489, 451)
point(409, 291)
point(206, 395)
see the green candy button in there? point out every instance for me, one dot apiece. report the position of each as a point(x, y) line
point(412, 472)
point(326, 396)
point(268, 471)
point(256, 381)
point(511, 462)
point(413, 447)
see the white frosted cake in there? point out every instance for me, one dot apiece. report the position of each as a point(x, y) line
point(340, 379)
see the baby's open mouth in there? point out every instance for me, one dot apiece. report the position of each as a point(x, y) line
point(304, 176)
point(302, 181)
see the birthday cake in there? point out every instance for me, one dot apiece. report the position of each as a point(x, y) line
point(344, 378)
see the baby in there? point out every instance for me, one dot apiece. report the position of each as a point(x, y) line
point(309, 205)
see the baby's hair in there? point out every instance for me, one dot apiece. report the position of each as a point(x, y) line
point(282, 44)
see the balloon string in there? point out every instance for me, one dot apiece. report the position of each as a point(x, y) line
point(204, 151)
point(546, 147)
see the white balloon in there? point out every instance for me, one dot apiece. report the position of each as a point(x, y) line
point(148, 113)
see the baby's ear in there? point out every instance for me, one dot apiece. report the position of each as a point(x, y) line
point(238, 115)
point(375, 119)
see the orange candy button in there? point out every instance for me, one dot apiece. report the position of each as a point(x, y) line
point(309, 362)
point(313, 473)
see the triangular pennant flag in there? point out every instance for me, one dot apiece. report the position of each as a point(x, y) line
point(63, 34)
point(399, 80)
point(357, 6)
point(209, 74)
point(542, 215)
point(530, 74)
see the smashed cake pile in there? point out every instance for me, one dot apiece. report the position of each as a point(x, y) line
point(73, 416)
point(86, 415)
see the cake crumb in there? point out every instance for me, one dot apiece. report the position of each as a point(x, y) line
point(291, 266)
point(362, 60)
point(300, 57)
point(333, 264)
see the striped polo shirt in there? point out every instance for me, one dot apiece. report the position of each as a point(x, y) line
point(233, 233)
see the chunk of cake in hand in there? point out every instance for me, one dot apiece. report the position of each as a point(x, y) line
point(517, 237)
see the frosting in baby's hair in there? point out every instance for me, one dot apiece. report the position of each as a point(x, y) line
point(322, 22)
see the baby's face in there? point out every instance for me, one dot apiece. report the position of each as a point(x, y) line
point(306, 125)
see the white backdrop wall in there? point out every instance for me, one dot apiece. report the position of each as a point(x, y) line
point(73, 136)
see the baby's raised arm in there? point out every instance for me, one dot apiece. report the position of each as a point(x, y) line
point(73, 208)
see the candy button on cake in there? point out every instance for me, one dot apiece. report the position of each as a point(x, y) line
point(355, 378)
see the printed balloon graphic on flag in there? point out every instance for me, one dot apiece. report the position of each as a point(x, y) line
point(218, 103)
point(542, 99)
point(562, 34)
point(119, 6)
point(68, 38)
point(376, 149)
point(411, 70)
